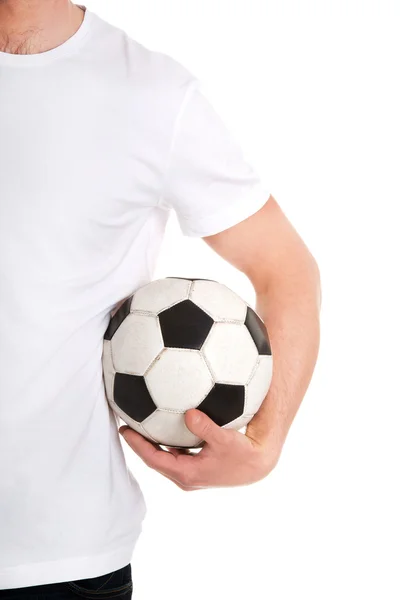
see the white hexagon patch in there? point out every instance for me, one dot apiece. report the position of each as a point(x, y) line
point(136, 343)
point(218, 301)
point(160, 294)
point(230, 353)
point(169, 429)
point(179, 379)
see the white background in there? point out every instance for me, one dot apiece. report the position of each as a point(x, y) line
point(311, 90)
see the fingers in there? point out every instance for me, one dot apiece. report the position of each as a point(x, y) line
point(185, 488)
point(173, 464)
point(179, 451)
point(204, 427)
point(174, 451)
point(149, 452)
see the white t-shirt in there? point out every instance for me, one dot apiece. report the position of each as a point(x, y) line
point(99, 139)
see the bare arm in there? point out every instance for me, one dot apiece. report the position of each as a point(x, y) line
point(285, 277)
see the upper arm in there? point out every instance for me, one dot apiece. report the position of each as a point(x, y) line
point(265, 246)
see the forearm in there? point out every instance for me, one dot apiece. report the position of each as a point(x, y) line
point(289, 305)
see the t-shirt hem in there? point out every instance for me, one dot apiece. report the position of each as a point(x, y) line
point(69, 569)
point(231, 215)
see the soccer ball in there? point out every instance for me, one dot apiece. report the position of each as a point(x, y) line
point(177, 344)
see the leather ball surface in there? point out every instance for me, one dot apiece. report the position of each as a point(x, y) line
point(177, 344)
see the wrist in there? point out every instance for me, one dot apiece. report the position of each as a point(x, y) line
point(269, 439)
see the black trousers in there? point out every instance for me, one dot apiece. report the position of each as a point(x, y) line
point(117, 584)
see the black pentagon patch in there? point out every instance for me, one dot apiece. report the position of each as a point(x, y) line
point(133, 397)
point(224, 403)
point(185, 325)
point(118, 318)
point(258, 332)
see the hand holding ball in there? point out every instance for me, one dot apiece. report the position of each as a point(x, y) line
point(178, 344)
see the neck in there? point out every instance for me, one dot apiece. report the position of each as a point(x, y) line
point(33, 26)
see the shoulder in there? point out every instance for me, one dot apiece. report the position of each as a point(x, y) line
point(159, 86)
point(147, 71)
point(162, 78)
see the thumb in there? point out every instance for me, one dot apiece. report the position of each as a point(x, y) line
point(202, 426)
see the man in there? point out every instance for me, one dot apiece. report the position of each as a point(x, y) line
point(100, 139)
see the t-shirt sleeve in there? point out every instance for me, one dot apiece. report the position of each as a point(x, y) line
point(208, 182)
